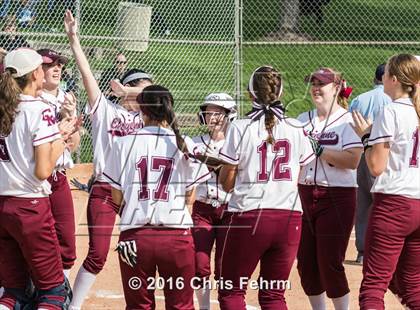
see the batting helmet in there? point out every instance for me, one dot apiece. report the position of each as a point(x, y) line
point(222, 100)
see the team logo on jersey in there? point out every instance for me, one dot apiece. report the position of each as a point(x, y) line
point(48, 116)
point(121, 127)
point(328, 138)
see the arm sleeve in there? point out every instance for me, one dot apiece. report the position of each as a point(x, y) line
point(383, 129)
point(306, 151)
point(231, 150)
point(197, 173)
point(44, 126)
point(350, 139)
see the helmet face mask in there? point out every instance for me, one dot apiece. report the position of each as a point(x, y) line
point(221, 100)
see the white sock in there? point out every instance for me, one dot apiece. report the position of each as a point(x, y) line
point(342, 303)
point(203, 297)
point(81, 287)
point(1, 291)
point(317, 301)
point(67, 273)
point(3, 307)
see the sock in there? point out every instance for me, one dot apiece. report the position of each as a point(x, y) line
point(3, 307)
point(203, 297)
point(67, 273)
point(1, 291)
point(81, 287)
point(342, 303)
point(318, 301)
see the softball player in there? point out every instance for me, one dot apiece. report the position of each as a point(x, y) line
point(392, 155)
point(216, 112)
point(150, 172)
point(109, 120)
point(265, 152)
point(30, 144)
point(327, 188)
point(62, 208)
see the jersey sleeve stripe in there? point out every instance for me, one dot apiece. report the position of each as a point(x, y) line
point(381, 137)
point(230, 160)
point(111, 179)
point(312, 156)
point(96, 105)
point(353, 143)
point(203, 178)
point(43, 138)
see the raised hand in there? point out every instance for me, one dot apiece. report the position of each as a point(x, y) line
point(118, 90)
point(70, 24)
point(67, 127)
point(361, 125)
point(69, 105)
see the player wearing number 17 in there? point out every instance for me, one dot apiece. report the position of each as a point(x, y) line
point(265, 152)
point(151, 172)
point(392, 155)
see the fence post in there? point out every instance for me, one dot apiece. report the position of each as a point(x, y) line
point(238, 53)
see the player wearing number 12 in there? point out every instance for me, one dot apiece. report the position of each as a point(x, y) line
point(265, 152)
point(151, 172)
point(392, 155)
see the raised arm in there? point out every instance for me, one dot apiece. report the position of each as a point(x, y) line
point(89, 81)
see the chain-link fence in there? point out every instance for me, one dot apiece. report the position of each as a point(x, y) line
point(195, 47)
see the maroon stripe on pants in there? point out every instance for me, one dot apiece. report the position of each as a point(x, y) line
point(268, 236)
point(101, 213)
point(28, 244)
point(206, 232)
point(328, 217)
point(171, 251)
point(62, 209)
point(392, 248)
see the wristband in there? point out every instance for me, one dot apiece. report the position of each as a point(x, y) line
point(365, 139)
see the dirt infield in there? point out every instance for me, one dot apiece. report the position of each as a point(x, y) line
point(107, 291)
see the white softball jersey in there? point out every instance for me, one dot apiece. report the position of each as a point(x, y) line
point(211, 191)
point(109, 121)
point(267, 173)
point(334, 133)
point(65, 161)
point(398, 125)
point(34, 125)
point(154, 176)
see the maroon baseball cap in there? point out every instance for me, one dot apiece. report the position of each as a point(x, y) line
point(50, 56)
point(324, 75)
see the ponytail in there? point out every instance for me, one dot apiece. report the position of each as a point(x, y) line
point(415, 98)
point(9, 100)
point(343, 102)
point(266, 87)
point(171, 118)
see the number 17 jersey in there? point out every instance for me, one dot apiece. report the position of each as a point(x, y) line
point(153, 175)
point(267, 173)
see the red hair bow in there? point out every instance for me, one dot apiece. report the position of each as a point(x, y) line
point(345, 90)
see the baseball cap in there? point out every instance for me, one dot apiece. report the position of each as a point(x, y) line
point(50, 56)
point(23, 60)
point(324, 75)
point(379, 72)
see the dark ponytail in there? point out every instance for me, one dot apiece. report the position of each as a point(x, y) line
point(10, 89)
point(157, 103)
